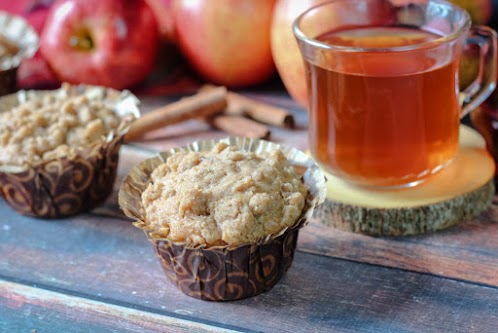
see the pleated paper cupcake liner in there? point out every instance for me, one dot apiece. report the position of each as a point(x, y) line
point(70, 184)
point(224, 273)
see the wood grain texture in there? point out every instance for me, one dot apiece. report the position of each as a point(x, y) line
point(460, 191)
point(467, 252)
point(407, 221)
point(48, 311)
point(108, 260)
point(102, 261)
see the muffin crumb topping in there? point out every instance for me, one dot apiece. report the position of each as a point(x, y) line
point(53, 125)
point(224, 196)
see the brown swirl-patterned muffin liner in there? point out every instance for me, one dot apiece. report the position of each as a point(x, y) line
point(71, 184)
point(224, 273)
point(24, 36)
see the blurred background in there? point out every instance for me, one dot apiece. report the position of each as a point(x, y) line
point(241, 44)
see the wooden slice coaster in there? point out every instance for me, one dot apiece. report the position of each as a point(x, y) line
point(459, 192)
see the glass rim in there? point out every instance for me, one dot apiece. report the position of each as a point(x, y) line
point(298, 33)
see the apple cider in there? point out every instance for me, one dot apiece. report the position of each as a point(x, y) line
point(379, 122)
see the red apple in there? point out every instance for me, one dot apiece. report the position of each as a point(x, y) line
point(111, 43)
point(284, 47)
point(34, 73)
point(226, 41)
point(163, 12)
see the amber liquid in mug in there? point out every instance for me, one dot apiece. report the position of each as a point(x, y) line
point(390, 122)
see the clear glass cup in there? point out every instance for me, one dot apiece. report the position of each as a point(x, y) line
point(382, 78)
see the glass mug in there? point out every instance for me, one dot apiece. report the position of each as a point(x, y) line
point(382, 81)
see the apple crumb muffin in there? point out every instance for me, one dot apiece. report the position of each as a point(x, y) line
point(53, 125)
point(224, 196)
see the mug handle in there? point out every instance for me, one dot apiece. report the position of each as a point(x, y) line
point(482, 87)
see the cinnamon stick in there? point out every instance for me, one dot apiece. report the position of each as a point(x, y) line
point(237, 125)
point(200, 105)
point(260, 111)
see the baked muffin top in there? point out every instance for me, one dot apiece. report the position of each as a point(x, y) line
point(54, 124)
point(224, 196)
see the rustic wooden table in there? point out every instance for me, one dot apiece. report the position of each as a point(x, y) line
point(97, 273)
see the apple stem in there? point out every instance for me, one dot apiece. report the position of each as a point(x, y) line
point(82, 41)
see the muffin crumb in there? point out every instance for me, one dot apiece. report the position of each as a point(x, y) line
point(224, 196)
point(54, 125)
